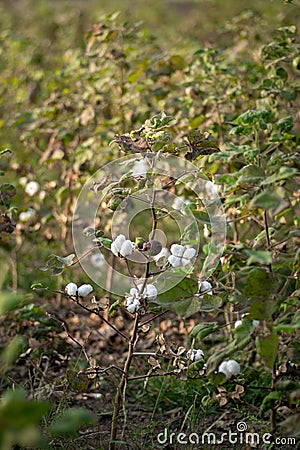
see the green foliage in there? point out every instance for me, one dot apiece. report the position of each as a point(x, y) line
point(71, 420)
point(20, 419)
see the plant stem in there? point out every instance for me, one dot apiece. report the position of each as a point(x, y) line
point(122, 385)
point(267, 236)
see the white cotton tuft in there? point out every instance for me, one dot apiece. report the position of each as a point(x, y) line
point(126, 248)
point(71, 289)
point(32, 188)
point(84, 290)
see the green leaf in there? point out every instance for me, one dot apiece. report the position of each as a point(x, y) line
point(263, 309)
point(10, 302)
point(258, 256)
point(3, 152)
point(190, 234)
point(17, 412)
point(57, 264)
point(17, 346)
point(260, 284)
point(265, 200)
point(71, 420)
point(270, 401)
point(283, 173)
point(202, 330)
point(267, 347)
point(184, 289)
point(7, 191)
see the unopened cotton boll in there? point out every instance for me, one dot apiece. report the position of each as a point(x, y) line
point(71, 289)
point(85, 290)
point(32, 188)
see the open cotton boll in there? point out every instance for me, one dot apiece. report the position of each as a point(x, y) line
point(117, 244)
point(233, 367)
point(238, 323)
point(28, 215)
point(205, 288)
point(175, 261)
point(140, 168)
point(151, 292)
point(164, 253)
point(133, 306)
point(32, 188)
point(122, 246)
point(230, 368)
point(255, 323)
point(177, 250)
point(195, 355)
point(97, 260)
point(126, 248)
point(71, 289)
point(84, 290)
point(189, 253)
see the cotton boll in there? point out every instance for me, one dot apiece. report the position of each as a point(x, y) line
point(32, 188)
point(177, 250)
point(189, 253)
point(195, 355)
point(255, 323)
point(28, 215)
point(223, 369)
point(205, 288)
point(126, 248)
point(163, 254)
point(174, 261)
point(117, 244)
point(140, 168)
point(151, 292)
point(233, 367)
point(134, 306)
point(238, 323)
point(71, 289)
point(84, 290)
